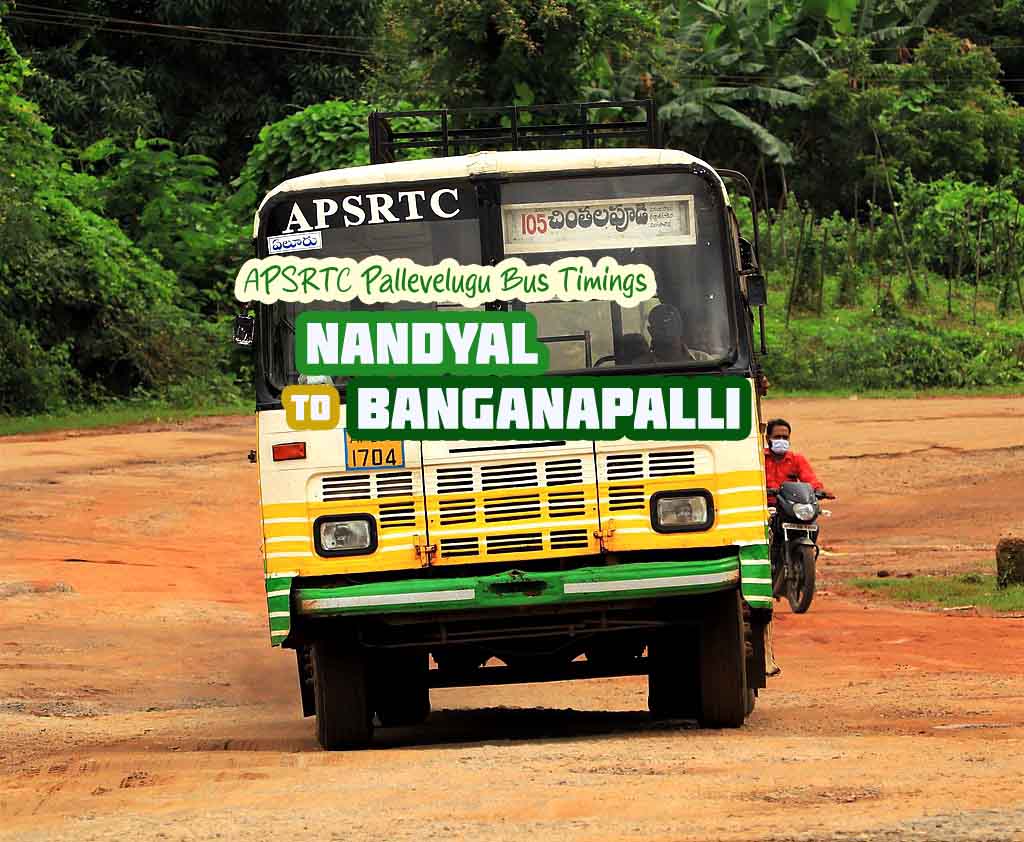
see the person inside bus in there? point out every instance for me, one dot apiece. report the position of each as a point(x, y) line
point(783, 465)
point(665, 324)
point(703, 342)
point(633, 350)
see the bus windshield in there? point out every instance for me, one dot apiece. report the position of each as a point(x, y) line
point(675, 223)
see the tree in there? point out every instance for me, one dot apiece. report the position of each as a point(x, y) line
point(497, 52)
point(728, 67)
point(209, 88)
point(942, 112)
point(83, 312)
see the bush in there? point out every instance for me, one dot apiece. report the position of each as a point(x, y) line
point(84, 313)
point(33, 379)
point(327, 136)
point(891, 352)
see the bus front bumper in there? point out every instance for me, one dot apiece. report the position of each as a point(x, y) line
point(516, 588)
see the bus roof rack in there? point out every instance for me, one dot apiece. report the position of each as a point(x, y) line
point(514, 127)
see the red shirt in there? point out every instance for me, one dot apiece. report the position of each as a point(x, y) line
point(790, 468)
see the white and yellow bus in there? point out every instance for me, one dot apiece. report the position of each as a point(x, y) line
point(396, 567)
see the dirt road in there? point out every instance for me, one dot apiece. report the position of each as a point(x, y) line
point(139, 698)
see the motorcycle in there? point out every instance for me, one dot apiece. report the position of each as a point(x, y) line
point(794, 542)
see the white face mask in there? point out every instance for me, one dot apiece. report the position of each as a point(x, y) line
point(779, 446)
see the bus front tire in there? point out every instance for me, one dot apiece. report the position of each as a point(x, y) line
point(723, 662)
point(340, 683)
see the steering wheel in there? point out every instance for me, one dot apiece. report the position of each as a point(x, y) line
point(605, 359)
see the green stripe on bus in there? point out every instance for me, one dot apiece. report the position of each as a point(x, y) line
point(754, 551)
point(756, 589)
point(514, 588)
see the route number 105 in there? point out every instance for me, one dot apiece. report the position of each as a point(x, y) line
point(534, 223)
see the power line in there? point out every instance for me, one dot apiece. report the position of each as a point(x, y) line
point(105, 24)
point(42, 9)
point(57, 12)
point(254, 39)
point(262, 44)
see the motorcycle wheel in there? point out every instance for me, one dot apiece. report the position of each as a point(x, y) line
point(800, 587)
point(778, 572)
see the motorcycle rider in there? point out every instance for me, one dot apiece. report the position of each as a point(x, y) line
point(783, 465)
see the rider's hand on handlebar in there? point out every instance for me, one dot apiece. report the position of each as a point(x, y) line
point(822, 494)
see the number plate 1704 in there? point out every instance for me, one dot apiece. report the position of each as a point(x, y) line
point(373, 455)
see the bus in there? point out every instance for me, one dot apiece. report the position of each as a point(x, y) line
point(393, 568)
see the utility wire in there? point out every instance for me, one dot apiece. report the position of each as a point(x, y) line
point(368, 38)
point(41, 9)
point(262, 44)
point(254, 39)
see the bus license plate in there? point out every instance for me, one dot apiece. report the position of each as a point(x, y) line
point(373, 455)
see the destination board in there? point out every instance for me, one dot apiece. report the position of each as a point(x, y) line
point(599, 224)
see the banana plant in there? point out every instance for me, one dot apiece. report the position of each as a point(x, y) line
point(731, 65)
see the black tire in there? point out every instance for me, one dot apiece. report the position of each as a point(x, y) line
point(306, 693)
point(751, 701)
point(723, 662)
point(400, 692)
point(800, 587)
point(673, 683)
point(778, 578)
point(343, 717)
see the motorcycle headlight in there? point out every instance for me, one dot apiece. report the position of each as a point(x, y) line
point(805, 511)
point(345, 535)
point(681, 511)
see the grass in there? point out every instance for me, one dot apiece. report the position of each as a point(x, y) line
point(975, 589)
point(113, 415)
point(1005, 391)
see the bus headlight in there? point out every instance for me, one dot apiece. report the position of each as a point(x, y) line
point(681, 511)
point(344, 535)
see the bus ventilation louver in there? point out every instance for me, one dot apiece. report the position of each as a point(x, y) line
point(455, 481)
point(520, 542)
point(566, 504)
point(567, 539)
point(397, 514)
point(625, 498)
point(367, 486)
point(459, 547)
point(515, 507)
point(519, 475)
point(672, 463)
point(629, 466)
point(563, 472)
point(459, 510)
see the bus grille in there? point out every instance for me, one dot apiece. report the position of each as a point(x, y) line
point(664, 463)
point(367, 486)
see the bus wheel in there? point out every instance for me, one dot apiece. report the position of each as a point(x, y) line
point(673, 684)
point(343, 717)
point(723, 673)
point(400, 692)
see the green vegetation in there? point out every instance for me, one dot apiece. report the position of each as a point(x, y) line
point(114, 415)
point(974, 589)
point(884, 138)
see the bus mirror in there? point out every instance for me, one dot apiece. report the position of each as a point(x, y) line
point(757, 291)
point(748, 261)
point(245, 330)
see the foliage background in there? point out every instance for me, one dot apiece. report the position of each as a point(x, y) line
point(883, 137)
